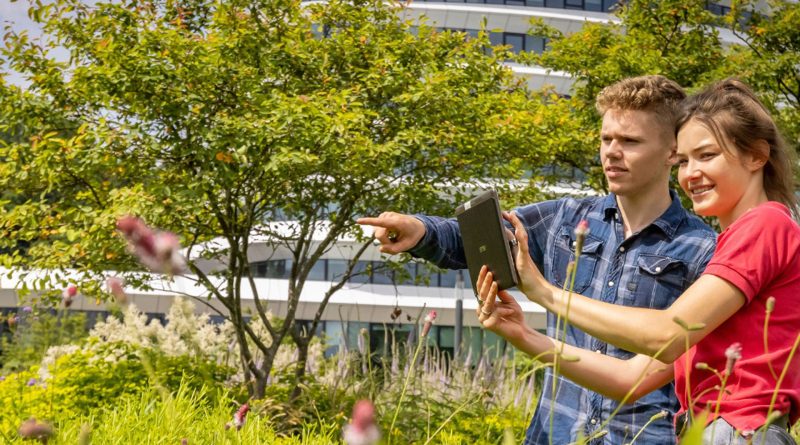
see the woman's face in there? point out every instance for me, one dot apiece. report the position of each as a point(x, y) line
point(716, 180)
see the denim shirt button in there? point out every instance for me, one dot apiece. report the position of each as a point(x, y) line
point(610, 284)
point(621, 248)
point(658, 269)
point(594, 421)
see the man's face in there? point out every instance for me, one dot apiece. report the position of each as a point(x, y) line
point(636, 151)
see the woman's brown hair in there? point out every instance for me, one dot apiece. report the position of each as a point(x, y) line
point(741, 124)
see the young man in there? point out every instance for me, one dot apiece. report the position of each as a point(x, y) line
point(643, 249)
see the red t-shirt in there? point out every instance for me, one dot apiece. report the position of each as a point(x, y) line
point(759, 254)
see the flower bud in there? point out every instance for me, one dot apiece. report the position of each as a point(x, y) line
point(428, 323)
point(733, 353)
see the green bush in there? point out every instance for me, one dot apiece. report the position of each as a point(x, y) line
point(35, 333)
point(85, 381)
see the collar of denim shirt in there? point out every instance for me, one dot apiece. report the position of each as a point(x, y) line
point(668, 222)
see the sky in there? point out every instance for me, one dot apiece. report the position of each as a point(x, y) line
point(15, 15)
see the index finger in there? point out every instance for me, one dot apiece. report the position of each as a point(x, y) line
point(373, 221)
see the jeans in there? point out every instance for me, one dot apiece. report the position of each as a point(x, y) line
point(725, 434)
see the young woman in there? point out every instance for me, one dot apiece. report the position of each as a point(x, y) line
point(733, 165)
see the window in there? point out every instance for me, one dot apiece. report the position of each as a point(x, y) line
point(516, 41)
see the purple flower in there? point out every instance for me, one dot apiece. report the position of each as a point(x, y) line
point(2, 378)
point(31, 381)
point(27, 309)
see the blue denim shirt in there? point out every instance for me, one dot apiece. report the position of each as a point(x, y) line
point(649, 269)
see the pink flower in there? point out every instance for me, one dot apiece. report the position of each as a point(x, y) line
point(733, 353)
point(114, 286)
point(428, 322)
point(69, 295)
point(362, 429)
point(32, 429)
point(239, 417)
point(156, 250)
point(582, 229)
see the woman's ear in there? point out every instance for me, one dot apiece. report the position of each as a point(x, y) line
point(759, 156)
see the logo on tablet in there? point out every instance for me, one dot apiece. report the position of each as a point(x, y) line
point(482, 248)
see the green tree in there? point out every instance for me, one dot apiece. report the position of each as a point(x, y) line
point(769, 57)
point(229, 120)
point(675, 38)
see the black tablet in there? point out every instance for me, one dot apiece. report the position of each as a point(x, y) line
point(486, 239)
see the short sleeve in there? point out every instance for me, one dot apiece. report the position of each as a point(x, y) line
point(754, 250)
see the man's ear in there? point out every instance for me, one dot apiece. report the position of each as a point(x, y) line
point(673, 155)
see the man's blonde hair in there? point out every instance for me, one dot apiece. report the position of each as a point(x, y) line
point(654, 93)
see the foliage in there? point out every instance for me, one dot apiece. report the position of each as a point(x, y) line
point(218, 119)
point(673, 38)
point(769, 58)
point(35, 333)
point(82, 381)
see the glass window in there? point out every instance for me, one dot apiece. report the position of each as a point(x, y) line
point(554, 3)
point(446, 336)
point(515, 40)
point(447, 278)
point(534, 44)
point(334, 337)
point(593, 5)
point(382, 273)
point(280, 269)
point(496, 38)
point(361, 273)
point(472, 32)
point(317, 272)
point(515, 2)
point(534, 2)
point(573, 4)
point(609, 4)
point(336, 269)
point(353, 329)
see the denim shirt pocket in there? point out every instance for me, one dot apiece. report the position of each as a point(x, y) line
point(660, 281)
point(564, 252)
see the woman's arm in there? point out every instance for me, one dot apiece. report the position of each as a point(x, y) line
point(707, 303)
point(621, 380)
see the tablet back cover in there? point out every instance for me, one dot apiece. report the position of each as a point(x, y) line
point(485, 239)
